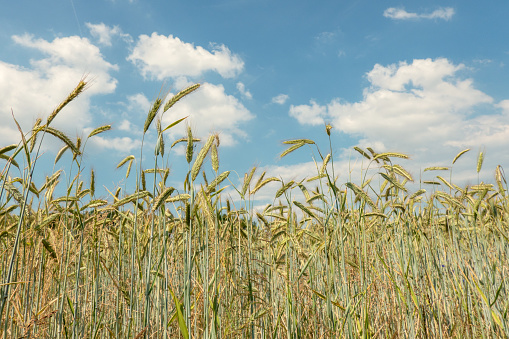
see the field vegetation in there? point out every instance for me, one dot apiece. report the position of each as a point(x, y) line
point(326, 259)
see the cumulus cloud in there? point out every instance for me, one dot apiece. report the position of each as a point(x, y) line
point(242, 89)
point(417, 108)
point(280, 99)
point(119, 144)
point(104, 34)
point(210, 110)
point(312, 114)
point(160, 57)
point(402, 14)
point(36, 90)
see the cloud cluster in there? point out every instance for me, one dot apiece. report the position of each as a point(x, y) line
point(401, 14)
point(417, 108)
point(160, 57)
point(35, 91)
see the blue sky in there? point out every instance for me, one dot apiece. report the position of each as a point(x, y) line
point(425, 78)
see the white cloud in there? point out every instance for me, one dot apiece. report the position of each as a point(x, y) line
point(160, 57)
point(401, 14)
point(309, 114)
point(242, 89)
point(138, 103)
point(105, 33)
point(280, 99)
point(425, 109)
point(34, 92)
point(119, 144)
point(210, 110)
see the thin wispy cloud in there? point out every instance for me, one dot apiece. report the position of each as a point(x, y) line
point(401, 14)
point(280, 99)
point(105, 34)
point(242, 89)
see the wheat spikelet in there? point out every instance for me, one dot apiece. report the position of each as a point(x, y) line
point(247, 180)
point(416, 194)
point(429, 182)
point(180, 197)
point(480, 160)
point(130, 198)
point(179, 96)
point(391, 155)
point(324, 164)
point(307, 211)
point(498, 178)
point(49, 248)
point(7, 148)
point(292, 148)
point(201, 157)
point(152, 114)
point(459, 155)
point(214, 157)
point(64, 138)
point(162, 198)
point(190, 147)
point(9, 159)
point(447, 183)
point(394, 182)
point(77, 91)
point(263, 183)
point(99, 130)
point(360, 193)
point(364, 154)
point(298, 141)
point(436, 168)
point(92, 182)
point(35, 130)
point(220, 178)
point(284, 188)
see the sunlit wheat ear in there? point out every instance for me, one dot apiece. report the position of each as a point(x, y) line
point(459, 155)
point(190, 146)
point(201, 157)
point(416, 194)
point(324, 164)
point(284, 188)
point(480, 160)
point(361, 194)
point(391, 155)
point(77, 91)
point(61, 152)
point(179, 96)
point(214, 156)
point(220, 178)
point(499, 177)
point(364, 154)
point(130, 159)
point(178, 141)
point(162, 198)
point(152, 114)
point(64, 138)
point(160, 139)
point(35, 130)
point(447, 183)
point(436, 168)
point(99, 130)
point(247, 180)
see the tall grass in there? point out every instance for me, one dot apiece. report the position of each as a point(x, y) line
point(326, 259)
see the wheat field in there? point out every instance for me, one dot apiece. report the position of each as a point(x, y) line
point(326, 259)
